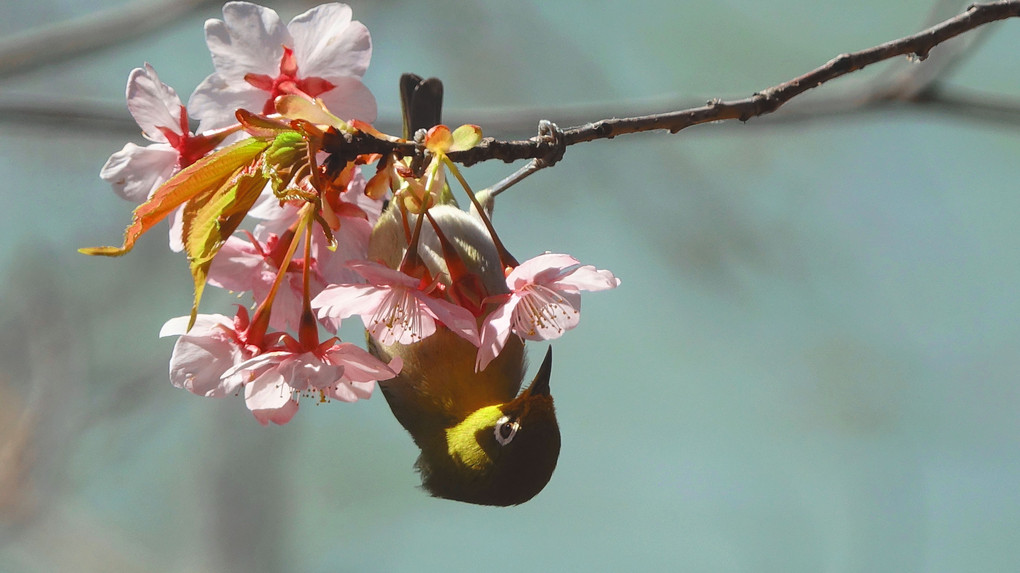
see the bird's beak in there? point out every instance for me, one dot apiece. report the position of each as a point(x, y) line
point(541, 383)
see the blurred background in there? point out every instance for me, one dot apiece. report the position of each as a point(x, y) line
point(811, 364)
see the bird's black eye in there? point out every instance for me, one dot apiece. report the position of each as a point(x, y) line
point(506, 429)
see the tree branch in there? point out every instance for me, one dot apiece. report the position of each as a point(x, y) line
point(913, 87)
point(761, 103)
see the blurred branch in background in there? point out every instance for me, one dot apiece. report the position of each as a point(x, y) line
point(77, 37)
point(46, 405)
point(904, 86)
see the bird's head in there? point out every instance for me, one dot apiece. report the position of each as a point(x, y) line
point(503, 454)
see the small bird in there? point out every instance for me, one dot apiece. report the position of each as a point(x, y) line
point(482, 439)
point(481, 442)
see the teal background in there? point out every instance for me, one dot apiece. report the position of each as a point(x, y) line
point(811, 363)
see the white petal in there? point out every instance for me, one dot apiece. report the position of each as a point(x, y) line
point(328, 44)
point(214, 102)
point(350, 99)
point(249, 39)
point(135, 172)
point(199, 361)
point(153, 104)
point(204, 323)
point(177, 230)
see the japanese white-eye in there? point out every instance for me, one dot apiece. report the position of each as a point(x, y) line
point(482, 439)
point(481, 442)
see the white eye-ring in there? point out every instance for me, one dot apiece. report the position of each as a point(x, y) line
point(506, 429)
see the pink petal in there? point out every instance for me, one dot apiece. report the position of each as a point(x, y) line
point(540, 269)
point(276, 217)
point(237, 266)
point(456, 318)
point(495, 331)
point(328, 44)
point(390, 313)
point(371, 207)
point(269, 391)
point(341, 301)
point(249, 40)
point(201, 357)
point(378, 274)
point(586, 278)
point(279, 416)
point(153, 104)
point(350, 391)
point(135, 172)
point(306, 371)
point(358, 364)
point(258, 362)
point(352, 244)
point(289, 302)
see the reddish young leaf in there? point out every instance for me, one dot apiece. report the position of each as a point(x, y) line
point(206, 174)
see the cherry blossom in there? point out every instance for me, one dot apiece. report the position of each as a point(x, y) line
point(321, 53)
point(334, 370)
point(252, 266)
point(201, 356)
point(353, 221)
point(544, 302)
point(308, 73)
point(392, 306)
point(135, 172)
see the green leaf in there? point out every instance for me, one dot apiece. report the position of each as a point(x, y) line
point(283, 159)
point(205, 175)
point(465, 137)
point(212, 217)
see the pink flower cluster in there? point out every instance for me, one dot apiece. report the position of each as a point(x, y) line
point(275, 356)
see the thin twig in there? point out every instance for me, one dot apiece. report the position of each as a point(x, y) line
point(761, 103)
